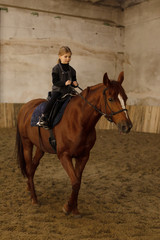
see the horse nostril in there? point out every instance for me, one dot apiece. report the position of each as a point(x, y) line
point(124, 128)
point(130, 125)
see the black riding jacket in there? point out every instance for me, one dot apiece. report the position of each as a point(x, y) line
point(60, 74)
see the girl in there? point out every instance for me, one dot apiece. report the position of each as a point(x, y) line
point(63, 79)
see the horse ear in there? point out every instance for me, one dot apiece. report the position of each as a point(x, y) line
point(121, 77)
point(106, 80)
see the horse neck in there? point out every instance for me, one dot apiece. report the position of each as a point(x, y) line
point(90, 115)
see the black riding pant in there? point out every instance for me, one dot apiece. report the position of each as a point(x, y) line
point(50, 103)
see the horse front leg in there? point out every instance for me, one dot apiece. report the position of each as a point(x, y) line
point(75, 177)
point(67, 164)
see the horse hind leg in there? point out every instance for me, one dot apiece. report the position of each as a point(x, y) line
point(31, 166)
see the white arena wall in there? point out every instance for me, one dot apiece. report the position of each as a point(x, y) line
point(31, 36)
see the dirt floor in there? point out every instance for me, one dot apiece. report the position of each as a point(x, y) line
point(119, 197)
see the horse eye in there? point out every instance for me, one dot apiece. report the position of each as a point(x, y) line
point(110, 99)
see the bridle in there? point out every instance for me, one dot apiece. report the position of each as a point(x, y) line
point(108, 116)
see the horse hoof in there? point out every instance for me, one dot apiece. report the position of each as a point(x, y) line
point(34, 201)
point(76, 214)
point(65, 211)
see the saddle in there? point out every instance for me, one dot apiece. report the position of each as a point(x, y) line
point(55, 114)
point(58, 110)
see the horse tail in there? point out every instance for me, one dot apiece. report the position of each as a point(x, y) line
point(20, 154)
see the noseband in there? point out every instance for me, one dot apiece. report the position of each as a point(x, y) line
point(108, 116)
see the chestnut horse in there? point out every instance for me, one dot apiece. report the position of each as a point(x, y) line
point(75, 134)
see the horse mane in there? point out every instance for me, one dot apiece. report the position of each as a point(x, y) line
point(88, 90)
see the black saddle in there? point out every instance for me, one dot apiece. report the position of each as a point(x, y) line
point(58, 108)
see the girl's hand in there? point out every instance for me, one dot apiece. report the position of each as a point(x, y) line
point(75, 83)
point(68, 82)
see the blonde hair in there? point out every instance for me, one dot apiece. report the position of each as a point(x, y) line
point(63, 50)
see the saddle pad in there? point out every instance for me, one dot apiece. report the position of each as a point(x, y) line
point(40, 109)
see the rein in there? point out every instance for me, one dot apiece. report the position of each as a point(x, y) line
point(108, 116)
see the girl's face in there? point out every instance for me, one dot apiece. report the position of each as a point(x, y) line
point(66, 58)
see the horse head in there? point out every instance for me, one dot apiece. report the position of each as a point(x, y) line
point(114, 103)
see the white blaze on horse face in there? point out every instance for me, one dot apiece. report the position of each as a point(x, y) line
point(122, 104)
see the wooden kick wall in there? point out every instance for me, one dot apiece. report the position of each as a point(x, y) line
point(8, 114)
point(144, 118)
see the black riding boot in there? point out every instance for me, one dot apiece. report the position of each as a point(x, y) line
point(43, 121)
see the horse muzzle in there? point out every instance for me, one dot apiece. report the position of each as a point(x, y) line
point(125, 126)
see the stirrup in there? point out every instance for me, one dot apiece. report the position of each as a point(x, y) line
point(42, 123)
